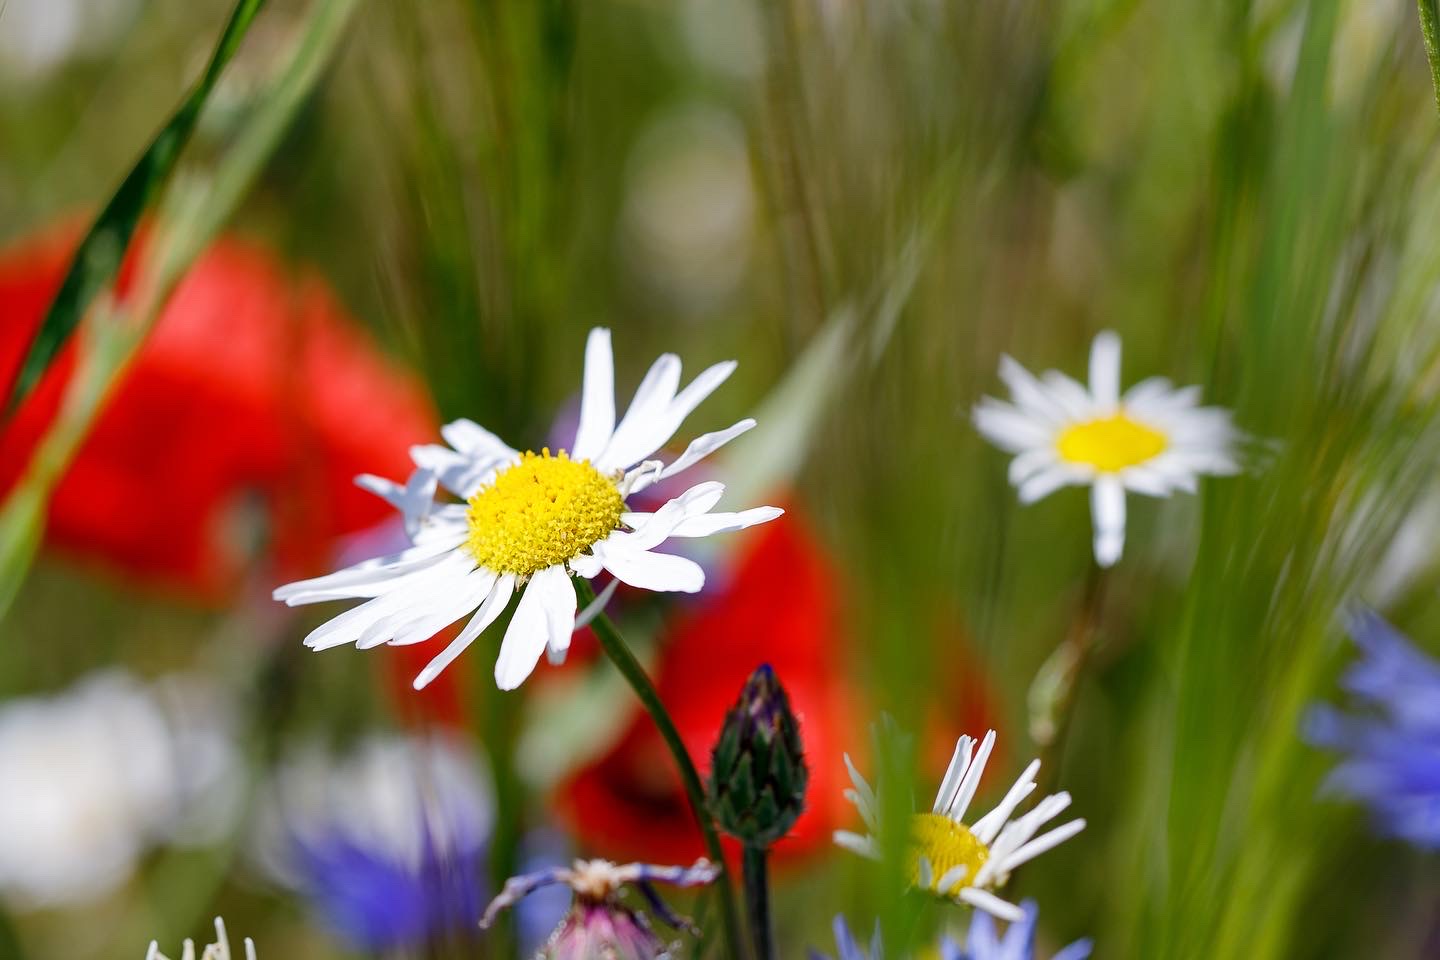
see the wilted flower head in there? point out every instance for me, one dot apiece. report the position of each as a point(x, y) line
point(219, 950)
point(386, 843)
point(1393, 750)
point(758, 773)
point(91, 777)
point(600, 926)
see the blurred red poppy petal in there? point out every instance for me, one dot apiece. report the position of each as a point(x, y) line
point(256, 397)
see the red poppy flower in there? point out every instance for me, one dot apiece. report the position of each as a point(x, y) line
point(255, 395)
point(779, 607)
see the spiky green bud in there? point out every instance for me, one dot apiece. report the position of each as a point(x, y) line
point(757, 768)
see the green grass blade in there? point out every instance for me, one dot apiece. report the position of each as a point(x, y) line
point(189, 220)
point(99, 256)
point(1430, 26)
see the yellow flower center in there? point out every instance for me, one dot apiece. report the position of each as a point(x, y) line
point(945, 844)
point(540, 512)
point(1111, 443)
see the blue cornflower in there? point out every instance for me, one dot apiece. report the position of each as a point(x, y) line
point(1393, 749)
point(387, 845)
point(981, 943)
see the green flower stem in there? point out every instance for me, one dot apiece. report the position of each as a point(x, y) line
point(619, 653)
point(757, 902)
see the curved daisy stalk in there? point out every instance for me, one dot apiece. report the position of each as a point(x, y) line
point(535, 525)
point(1152, 440)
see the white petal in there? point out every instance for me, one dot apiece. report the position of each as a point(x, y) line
point(1030, 462)
point(991, 904)
point(414, 500)
point(524, 639)
point(950, 878)
point(1041, 844)
point(989, 825)
point(712, 523)
point(370, 578)
point(950, 783)
point(597, 399)
point(473, 440)
point(489, 610)
point(1067, 391)
point(926, 873)
point(657, 527)
point(559, 613)
point(704, 445)
point(868, 806)
point(1105, 370)
point(652, 397)
point(468, 596)
point(1107, 505)
point(865, 846)
point(416, 590)
point(1030, 394)
point(459, 473)
point(1010, 428)
point(972, 778)
point(663, 426)
point(1046, 482)
point(661, 572)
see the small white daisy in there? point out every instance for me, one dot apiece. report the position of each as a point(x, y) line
point(219, 950)
point(1154, 440)
point(959, 862)
point(533, 521)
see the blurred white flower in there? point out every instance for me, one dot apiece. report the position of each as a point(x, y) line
point(92, 777)
point(219, 950)
point(1154, 440)
point(689, 213)
point(37, 36)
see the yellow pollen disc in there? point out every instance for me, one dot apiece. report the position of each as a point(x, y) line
point(540, 512)
point(945, 844)
point(1111, 443)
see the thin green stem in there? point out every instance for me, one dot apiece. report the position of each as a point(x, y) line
point(757, 902)
point(619, 653)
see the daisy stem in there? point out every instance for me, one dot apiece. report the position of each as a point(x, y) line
point(1081, 643)
point(757, 902)
point(619, 653)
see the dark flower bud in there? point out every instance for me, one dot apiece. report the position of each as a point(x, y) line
point(757, 768)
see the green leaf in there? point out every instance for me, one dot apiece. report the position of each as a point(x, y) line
point(189, 220)
point(1430, 27)
point(98, 258)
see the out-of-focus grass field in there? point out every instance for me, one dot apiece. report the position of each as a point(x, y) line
point(866, 204)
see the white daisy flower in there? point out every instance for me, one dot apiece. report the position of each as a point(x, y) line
point(1154, 440)
point(219, 950)
point(959, 862)
point(529, 522)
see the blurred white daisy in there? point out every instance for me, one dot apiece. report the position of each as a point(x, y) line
point(959, 862)
point(219, 950)
point(92, 777)
point(533, 521)
point(1154, 440)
